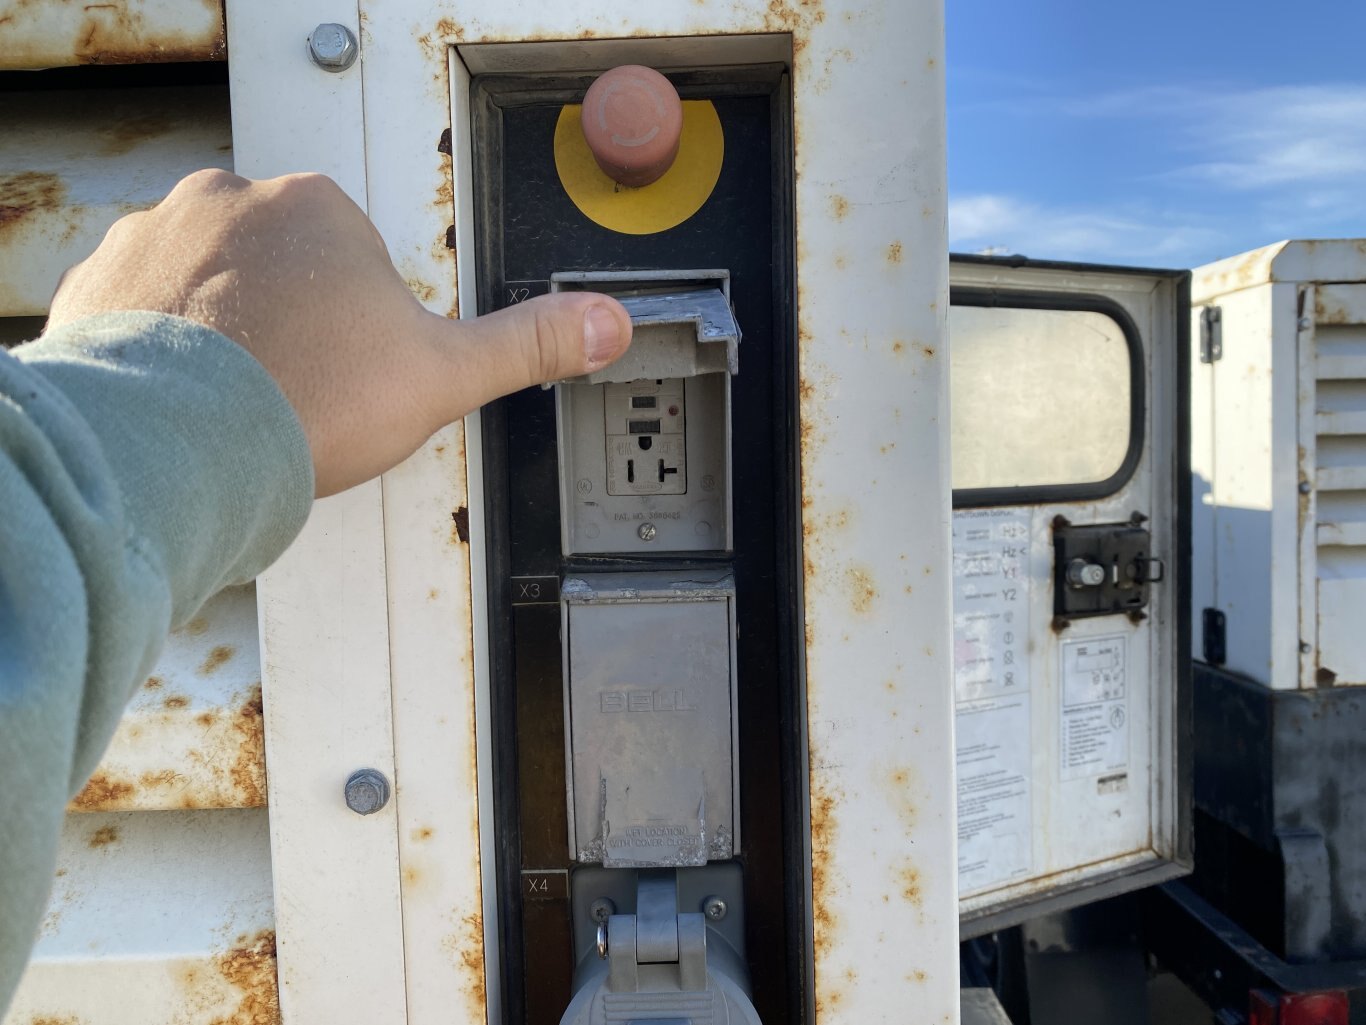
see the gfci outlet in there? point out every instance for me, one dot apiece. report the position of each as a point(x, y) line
point(646, 443)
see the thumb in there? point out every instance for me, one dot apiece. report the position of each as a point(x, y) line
point(540, 340)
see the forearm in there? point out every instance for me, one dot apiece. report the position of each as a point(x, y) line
point(145, 463)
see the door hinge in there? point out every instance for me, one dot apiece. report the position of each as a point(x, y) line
point(1215, 639)
point(1211, 334)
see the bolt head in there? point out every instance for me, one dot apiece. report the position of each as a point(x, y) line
point(1305, 487)
point(332, 47)
point(1305, 647)
point(602, 909)
point(367, 791)
point(714, 908)
point(646, 532)
point(1305, 324)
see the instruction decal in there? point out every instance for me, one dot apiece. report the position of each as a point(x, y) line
point(991, 686)
point(1094, 730)
point(994, 758)
point(990, 602)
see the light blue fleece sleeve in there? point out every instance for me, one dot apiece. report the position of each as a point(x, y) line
point(145, 463)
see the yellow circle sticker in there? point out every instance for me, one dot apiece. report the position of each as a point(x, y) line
point(677, 195)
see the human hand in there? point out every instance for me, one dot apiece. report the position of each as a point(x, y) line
point(292, 271)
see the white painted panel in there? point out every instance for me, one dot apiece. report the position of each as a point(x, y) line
point(323, 606)
point(156, 917)
point(72, 163)
point(412, 202)
point(882, 797)
point(56, 33)
point(192, 736)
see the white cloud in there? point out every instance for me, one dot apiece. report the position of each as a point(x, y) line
point(1252, 139)
point(1002, 223)
point(1295, 155)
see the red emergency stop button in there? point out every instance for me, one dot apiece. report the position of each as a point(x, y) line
point(632, 118)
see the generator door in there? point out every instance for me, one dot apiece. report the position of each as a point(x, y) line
point(1070, 534)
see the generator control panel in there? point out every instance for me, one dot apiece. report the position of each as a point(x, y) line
point(643, 540)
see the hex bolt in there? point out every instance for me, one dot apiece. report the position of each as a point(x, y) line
point(646, 532)
point(714, 908)
point(332, 47)
point(367, 791)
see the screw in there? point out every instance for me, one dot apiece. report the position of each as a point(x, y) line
point(714, 908)
point(602, 909)
point(367, 791)
point(647, 532)
point(1305, 647)
point(1305, 487)
point(1305, 324)
point(332, 47)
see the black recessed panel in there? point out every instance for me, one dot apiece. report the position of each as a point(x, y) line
point(529, 229)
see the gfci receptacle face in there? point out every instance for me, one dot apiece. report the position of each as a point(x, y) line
point(646, 445)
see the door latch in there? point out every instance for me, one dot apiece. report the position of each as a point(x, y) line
point(1102, 569)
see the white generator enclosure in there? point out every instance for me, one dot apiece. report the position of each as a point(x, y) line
point(1278, 463)
point(627, 699)
point(1069, 558)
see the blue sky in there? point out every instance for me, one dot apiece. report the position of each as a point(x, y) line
point(1158, 133)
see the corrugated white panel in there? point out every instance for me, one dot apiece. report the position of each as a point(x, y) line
point(55, 33)
point(193, 736)
point(156, 918)
point(73, 162)
point(1340, 481)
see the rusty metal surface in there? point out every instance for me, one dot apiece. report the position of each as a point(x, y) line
point(193, 734)
point(163, 917)
point(61, 33)
point(73, 162)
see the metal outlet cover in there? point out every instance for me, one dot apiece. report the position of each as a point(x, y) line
point(650, 702)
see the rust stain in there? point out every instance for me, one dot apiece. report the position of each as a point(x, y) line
point(908, 878)
point(196, 626)
point(899, 347)
point(216, 658)
point(248, 770)
point(103, 837)
point(49, 1019)
point(927, 351)
point(153, 683)
point(839, 206)
point(229, 769)
point(122, 36)
point(424, 833)
point(175, 701)
point(460, 525)
point(250, 968)
point(894, 253)
point(824, 889)
point(26, 193)
point(433, 594)
point(861, 589)
point(128, 133)
point(101, 793)
point(424, 292)
point(466, 948)
point(841, 260)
